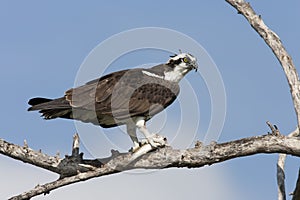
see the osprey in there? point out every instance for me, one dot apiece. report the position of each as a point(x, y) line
point(128, 97)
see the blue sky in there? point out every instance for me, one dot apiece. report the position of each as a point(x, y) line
point(43, 45)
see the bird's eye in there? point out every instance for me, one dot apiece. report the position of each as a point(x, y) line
point(185, 59)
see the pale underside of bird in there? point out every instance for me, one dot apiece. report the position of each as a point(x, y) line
point(128, 97)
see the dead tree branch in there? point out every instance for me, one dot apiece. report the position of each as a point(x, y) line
point(30, 156)
point(76, 169)
point(280, 171)
point(296, 193)
point(274, 42)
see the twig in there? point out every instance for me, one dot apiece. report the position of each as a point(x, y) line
point(75, 146)
point(273, 128)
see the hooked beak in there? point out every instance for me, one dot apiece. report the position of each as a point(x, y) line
point(194, 66)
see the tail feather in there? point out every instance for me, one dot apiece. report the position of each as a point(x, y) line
point(51, 108)
point(44, 104)
point(52, 114)
point(38, 100)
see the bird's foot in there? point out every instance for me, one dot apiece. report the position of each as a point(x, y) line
point(155, 140)
point(136, 147)
point(140, 152)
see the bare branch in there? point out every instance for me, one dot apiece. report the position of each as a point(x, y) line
point(30, 156)
point(296, 193)
point(281, 177)
point(274, 42)
point(280, 171)
point(65, 167)
point(167, 157)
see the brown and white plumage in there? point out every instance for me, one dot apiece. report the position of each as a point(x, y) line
point(128, 97)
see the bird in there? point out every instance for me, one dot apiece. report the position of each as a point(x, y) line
point(128, 97)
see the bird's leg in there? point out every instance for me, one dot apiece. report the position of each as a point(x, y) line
point(154, 140)
point(131, 130)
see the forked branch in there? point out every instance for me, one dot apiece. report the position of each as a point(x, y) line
point(274, 42)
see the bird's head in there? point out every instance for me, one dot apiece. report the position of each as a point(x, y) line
point(180, 65)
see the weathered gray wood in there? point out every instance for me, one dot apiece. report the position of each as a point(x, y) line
point(167, 157)
point(274, 42)
point(296, 193)
point(30, 156)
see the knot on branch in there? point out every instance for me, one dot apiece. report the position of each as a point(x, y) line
point(75, 164)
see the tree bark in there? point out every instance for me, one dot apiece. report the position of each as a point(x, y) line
point(73, 169)
point(285, 60)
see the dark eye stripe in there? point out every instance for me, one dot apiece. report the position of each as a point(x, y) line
point(178, 61)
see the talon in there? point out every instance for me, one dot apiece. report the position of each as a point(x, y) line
point(140, 152)
point(135, 147)
point(157, 140)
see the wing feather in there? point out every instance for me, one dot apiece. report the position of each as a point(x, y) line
point(116, 97)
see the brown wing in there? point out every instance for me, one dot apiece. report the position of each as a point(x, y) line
point(87, 100)
point(98, 90)
point(114, 98)
point(152, 98)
